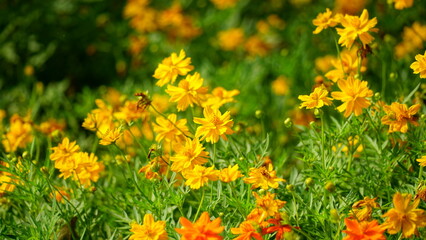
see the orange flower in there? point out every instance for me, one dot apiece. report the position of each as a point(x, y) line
point(214, 125)
point(246, 232)
point(362, 209)
point(354, 27)
point(353, 95)
point(405, 216)
point(401, 4)
point(231, 39)
point(168, 70)
point(277, 227)
point(268, 204)
point(188, 92)
point(324, 20)
point(63, 152)
point(230, 174)
point(202, 229)
point(224, 4)
point(199, 176)
point(363, 230)
point(398, 116)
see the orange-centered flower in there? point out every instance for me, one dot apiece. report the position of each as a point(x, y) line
point(316, 99)
point(399, 115)
point(168, 70)
point(202, 229)
point(353, 95)
point(419, 66)
point(363, 230)
point(324, 20)
point(189, 154)
point(214, 125)
point(188, 92)
point(354, 27)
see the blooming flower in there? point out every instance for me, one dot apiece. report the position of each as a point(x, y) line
point(230, 174)
point(63, 152)
point(246, 231)
point(280, 86)
point(83, 167)
point(150, 230)
point(199, 176)
point(346, 65)
point(398, 116)
point(188, 155)
point(263, 177)
point(168, 70)
point(155, 167)
point(277, 227)
point(50, 126)
point(231, 39)
point(401, 4)
point(202, 229)
point(8, 181)
point(316, 99)
point(170, 129)
point(268, 205)
point(256, 46)
point(356, 27)
point(219, 97)
point(214, 125)
point(362, 209)
point(353, 95)
point(422, 161)
point(405, 216)
point(324, 21)
point(19, 134)
point(419, 66)
point(188, 92)
point(356, 230)
point(110, 136)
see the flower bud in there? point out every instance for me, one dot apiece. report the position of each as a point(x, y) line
point(25, 154)
point(335, 217)
point(290, 187)
point(329, 186)
point(259, 114)
point(288, 123)
point(309, 181)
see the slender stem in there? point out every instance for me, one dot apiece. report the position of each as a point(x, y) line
point(322, 141)
point(164, 116)
point(199, 206)
point(421, 173)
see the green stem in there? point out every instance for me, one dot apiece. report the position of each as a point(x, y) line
point(164, 116)
point(199, 206)
point(322, 141)
point(421, 173)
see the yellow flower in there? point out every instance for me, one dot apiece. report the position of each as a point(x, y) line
point(255, 46)
point(167, 131)
point(7, 180)
point(231, 39)
point(263, 177)
point(398, 116)
point(156, 167)
point(188, 155)
point(353, 95)
point(230, 174)
point(324, 21)
point(346, 65)
point(362, 209)
point(419, 66)
point(130, 112)
point(50, 126)
point(422, 161)
point(219, 97)
point(110, 136)
point(405, 216)
point(19, 134)
point(149, 230)
point(84, 168)
point(202, 229)
point(412, 39)
point(224, 4)
point(268, 205)
point(214, 125)
point(401, 4)
point(280, 86)
point(168, 70)
point(63, 152)
point(188, 92)
point(199, 176)
point(356, 27)
point(59, 195)
point(316, 99)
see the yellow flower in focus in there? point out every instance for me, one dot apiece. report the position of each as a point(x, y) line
point(401, 4)
point(230, 174)
point(219, 97)
point(166, 129)
point(358, 230)
point(422, 161)
point(280, 86)
point(405, 216)
point(231, 39)
point(19, 134)
point(317, 99)
point(202, 229)
point(263, 177)
point(63, 152)
point(356, 27)
point(268, 205)
point(110, 136)
point(346, 65)
point(224, 4)
point(324, 21)
point(168, 70)
point(353, 95)
point(398, 116)
point(419, 66)
point(189, 91)
point(214, 125)
point(84, 169)
point(199, 176)
point(188, 155)
point(149, 230)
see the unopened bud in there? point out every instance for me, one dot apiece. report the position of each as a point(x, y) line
point(25, 154)
point(317, 113)
point(259, 114)
point(377, 96)
point(335, 217)
point(290, 187)
point(44, 170)
point(329, 186)
point(288, 123)
point(309, 181)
